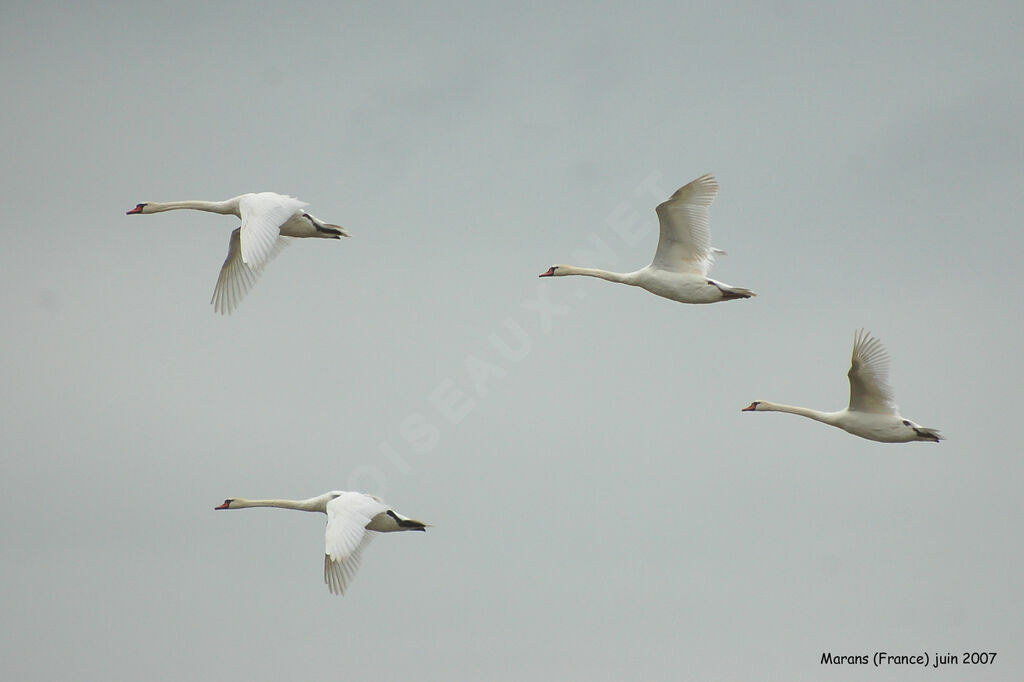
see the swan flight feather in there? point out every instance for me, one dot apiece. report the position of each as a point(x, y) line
point(684, 243)
point(869, 376)
point(346, 537)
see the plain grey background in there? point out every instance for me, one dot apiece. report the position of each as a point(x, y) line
point(602, 508)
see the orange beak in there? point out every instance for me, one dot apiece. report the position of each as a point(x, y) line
point(549, 273)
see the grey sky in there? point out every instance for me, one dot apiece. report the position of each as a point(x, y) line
point(603, 510)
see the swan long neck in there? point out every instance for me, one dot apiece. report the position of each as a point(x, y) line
point(313, 504)
point(621, 278)
point(824, 417)
point(227, 207)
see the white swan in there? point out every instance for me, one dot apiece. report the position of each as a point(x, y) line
point(680, 267)
point(349, 516)
point(871, 413)
point(266, 217)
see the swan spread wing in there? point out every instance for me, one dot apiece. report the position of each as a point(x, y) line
point(262, 215)
point(338, 573)
point(236, 278)
point(347, 516)
point(869, 371)
point(685, 241)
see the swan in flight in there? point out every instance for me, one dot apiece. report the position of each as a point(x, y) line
point(266, 217)
point(349, 516)
point(871, 413)
point(680, 267)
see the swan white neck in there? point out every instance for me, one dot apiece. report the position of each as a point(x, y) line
point(824, 417)
point(313, 504)
point(621, 278)
point(226, 207)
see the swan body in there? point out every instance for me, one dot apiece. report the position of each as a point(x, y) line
point(684, 256)
point(349, 516)
point(266, 217)
point(871, 413)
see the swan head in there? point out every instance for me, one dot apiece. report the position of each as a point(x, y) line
point(752, 407)
point(139, 208)
point(227, 504)
point(553, 272)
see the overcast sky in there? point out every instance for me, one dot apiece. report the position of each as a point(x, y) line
point(602, 509)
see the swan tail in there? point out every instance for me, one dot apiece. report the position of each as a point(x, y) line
point(729, 293)
point(331, 231)
point(338, 230)
point(925, 433)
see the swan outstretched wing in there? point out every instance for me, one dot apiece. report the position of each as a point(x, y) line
point(263, 214)
point(685, 241)
point(869, 376)
point(347, 537)
point(236, 278)
point(338, 573)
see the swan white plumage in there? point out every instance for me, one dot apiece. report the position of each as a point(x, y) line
point(266, 218)
point(871, 413)
point(349, 516)
point(684, 256)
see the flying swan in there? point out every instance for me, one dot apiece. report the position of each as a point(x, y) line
point(680, 267)
point(871, 413)
point(266, 217)
point(349, 516)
